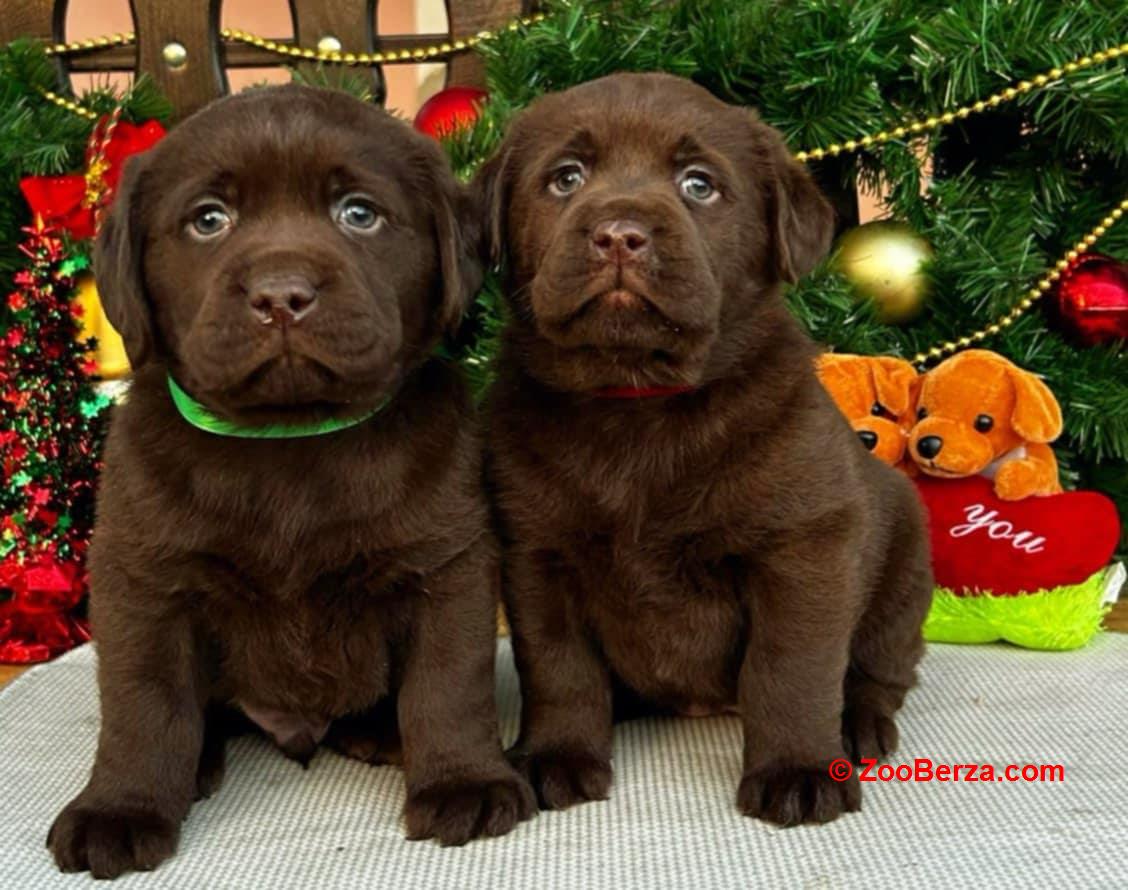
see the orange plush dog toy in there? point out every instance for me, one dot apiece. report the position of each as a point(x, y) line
point(876, 393)
point(977, 413)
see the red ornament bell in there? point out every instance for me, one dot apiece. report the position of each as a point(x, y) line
point(1092, 299)
point(450, 110)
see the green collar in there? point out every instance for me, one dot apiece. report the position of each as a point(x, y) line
point(203, 419)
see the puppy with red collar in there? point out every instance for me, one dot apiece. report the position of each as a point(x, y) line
point(688, 521)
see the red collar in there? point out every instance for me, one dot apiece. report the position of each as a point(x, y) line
point(644, 392)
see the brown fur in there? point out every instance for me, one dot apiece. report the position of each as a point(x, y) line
point(345, 578)
point(727, 548)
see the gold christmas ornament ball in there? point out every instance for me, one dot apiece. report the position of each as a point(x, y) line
point(884, 262)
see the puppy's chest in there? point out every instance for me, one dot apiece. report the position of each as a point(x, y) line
point(668, 612)
point(318, 647)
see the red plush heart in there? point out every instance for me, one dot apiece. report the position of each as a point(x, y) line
point(980, 542)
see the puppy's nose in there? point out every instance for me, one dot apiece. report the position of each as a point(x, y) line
point(282, 299)
point(929, 446)
point(869, 439)
point(620, 240)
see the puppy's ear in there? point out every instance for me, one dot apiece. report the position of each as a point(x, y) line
point(894, 380)
point(1037, 415)
point(117, 267)
point(458, 233)
point(491, 187)
point(800, 218)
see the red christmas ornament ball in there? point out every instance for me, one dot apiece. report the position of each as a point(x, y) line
point(1092, 299)
point(450, 110)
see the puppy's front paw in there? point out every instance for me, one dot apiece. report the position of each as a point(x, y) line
point(868, 732)
point(454, 812)
point(794, 795)
point(564, 778)
point(109, 841)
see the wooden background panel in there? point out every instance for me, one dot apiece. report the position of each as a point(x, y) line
point(34, 18)
point(468, 17)
point(351, 22)
point(195, 25)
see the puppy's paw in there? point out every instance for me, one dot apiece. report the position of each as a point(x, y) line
point(109, 841)
point(454, 812)
point(868, 733)
point(564, 778)
point(796, 795)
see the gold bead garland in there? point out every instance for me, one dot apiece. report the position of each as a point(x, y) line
point(916, 128)
point(79, 46)
point(68, 104)
point(1045, 285)
point(418, 54)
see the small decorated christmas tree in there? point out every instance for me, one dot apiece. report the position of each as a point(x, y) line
point(51, 426)
point(55, 164)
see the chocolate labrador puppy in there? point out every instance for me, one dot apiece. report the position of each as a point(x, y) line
point(290, 522)
point(687, 519)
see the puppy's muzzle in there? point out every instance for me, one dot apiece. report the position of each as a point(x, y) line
point(621, 241)
point(282, 300)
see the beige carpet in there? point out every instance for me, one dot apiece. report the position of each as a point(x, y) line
point(670, 823)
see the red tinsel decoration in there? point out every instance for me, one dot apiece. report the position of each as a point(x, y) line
point(51, 427)
point(71, 202)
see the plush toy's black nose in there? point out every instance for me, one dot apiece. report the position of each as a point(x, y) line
point(869, 439)
point(929, 446)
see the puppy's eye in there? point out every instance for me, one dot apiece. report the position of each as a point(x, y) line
point(879, 410)
point(984, 423)
point(697, 186)
point(567, 178)
point(210, 221)
point(358, 214)
point(922, 413)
